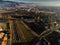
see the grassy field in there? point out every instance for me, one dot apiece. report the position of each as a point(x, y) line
point(27, 34)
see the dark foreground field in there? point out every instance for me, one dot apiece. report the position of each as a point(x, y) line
point(25, 43)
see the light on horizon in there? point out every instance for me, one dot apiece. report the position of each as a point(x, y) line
point(48, 3)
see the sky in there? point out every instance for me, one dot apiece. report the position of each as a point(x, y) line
point(41, 2)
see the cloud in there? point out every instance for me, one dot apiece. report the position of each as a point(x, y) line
point(48, 3)
point(41, 2)
point(34, 0)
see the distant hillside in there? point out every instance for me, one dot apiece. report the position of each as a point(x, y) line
point(4, 4)
point(7, 6)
